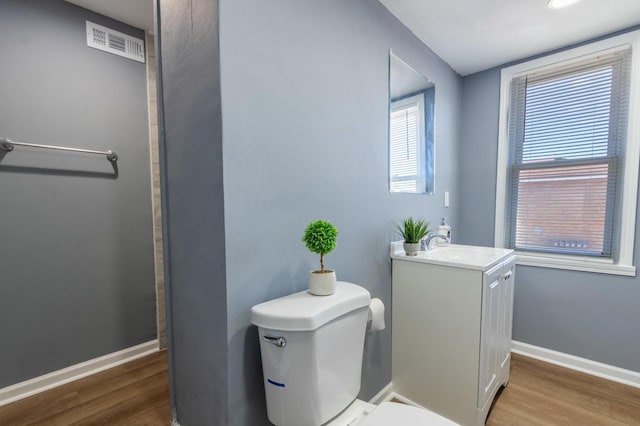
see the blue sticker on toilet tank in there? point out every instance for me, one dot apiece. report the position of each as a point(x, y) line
point(275, 383)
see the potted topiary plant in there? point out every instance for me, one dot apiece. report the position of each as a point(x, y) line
point(320, 237)
point(412, 231)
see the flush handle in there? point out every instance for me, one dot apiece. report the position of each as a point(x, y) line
point(280, 342)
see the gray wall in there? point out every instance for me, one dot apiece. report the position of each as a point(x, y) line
point(304, 95)
point(594, 316)
point(76, 244)
point(193, 215)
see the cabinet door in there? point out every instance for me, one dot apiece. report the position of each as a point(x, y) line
point(506, 312)
point(490, 334)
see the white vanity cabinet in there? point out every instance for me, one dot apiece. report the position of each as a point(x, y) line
point(495, 331)
point(451, 328)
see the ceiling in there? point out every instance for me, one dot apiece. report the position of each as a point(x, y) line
point(474, 35)
point(470, 35)
point(137, 13)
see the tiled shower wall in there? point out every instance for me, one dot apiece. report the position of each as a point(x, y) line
point(155, 187)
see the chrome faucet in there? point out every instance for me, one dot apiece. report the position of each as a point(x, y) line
point(426, 241)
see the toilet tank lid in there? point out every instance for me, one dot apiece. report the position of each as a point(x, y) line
point(304, 312)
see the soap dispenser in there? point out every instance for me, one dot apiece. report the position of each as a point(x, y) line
point(445, 231)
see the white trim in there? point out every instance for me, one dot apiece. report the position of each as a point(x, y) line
point(624, 265)
point(382, 395)
point(574, 263)
point(585, 52)
point(57, 378)
point(629, 202)
point(158, 262)
point(594, 368)
point(405, 400)
point(152, 199)
point(503, 157)
point(387, 394)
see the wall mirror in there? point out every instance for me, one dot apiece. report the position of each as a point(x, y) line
point(411, 129)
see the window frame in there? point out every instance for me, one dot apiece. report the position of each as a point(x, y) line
point(623, 264)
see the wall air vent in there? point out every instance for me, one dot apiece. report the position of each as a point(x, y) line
point(115, 42)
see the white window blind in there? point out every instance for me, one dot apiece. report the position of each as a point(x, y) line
point(567, 130)
point(407, 145)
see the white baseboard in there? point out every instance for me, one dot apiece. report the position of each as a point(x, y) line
point(404, 400)
point(57, 378)
point(387, 394)
point(382, 396)
point(605, 371)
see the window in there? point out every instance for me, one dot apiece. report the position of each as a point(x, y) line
point(407, 144)
point(569, 160)
point(566, 138)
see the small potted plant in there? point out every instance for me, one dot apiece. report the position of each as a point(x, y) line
point(320, 237)
point(412, 231)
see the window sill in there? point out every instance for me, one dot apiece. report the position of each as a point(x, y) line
point(574, 263)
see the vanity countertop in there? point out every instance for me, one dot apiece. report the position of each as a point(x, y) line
point(455, 255)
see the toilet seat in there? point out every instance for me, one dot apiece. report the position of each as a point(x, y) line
point(393, 413)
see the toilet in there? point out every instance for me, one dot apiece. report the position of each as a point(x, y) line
point(312, 350)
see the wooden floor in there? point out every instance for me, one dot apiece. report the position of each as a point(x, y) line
point(133, 394)
point(544, 394)
point(137, 394)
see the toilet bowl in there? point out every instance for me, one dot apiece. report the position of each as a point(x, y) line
point(393, 413)
point(361, 413)
point(312, 349)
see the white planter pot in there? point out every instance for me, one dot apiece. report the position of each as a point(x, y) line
point(411, 249)
point(322, 284)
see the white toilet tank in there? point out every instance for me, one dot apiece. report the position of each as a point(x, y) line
point(311, 350)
